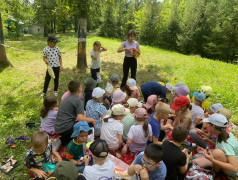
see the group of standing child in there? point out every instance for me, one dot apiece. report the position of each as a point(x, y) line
point(154, 130)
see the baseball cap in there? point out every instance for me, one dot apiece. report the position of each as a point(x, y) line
point(66, 170)
point(118, 110)
point(118, 96)
point(180, 84)
point(99, 148)
point(182, 90)
point(52, 38)
point(140, 113)
point(169, 87)
point(81, 126)
point(217, 120)
point(90, 83)
point(114, 77)
point(180, 102)
point(98, 92)
point(215, 107)
point(132, 84)
point(200, 96)
point(132, 102)
point(207, 90)
point(151, 101)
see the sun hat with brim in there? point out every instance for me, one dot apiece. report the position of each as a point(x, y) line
point(207, 90)
point(132, 84)
point(98, 92)
point(215, 107)
point(169, 87)
point(99, 148)
point(180, 84)
point(225, 112)
point(118, 110)
point(52, 38)
point(90, 83)
point(114, 77)
point(180, 102)
point(200, 96)
point(140, 113)
point(118, 96)
point(217, 120)
point(182, 90)
point(132, 102)
point(66, 170)
point(81, 126)
point(151, 101)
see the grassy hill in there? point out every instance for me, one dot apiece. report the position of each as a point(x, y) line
point(21, 85)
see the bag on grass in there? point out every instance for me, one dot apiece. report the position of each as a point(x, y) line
point(50, 71)
point(99, 77)
point(197, 173)
point(50, 168)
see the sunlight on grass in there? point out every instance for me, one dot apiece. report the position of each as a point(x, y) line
point(21, 85)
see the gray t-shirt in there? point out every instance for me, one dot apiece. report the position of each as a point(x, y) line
point(69, 108)
point(127, 44)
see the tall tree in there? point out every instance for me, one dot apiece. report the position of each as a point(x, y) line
point(3, 57)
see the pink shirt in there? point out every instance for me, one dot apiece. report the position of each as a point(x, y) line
point(66, 94)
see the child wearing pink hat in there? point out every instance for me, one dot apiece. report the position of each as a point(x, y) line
point(151, 103)
point(140, 133)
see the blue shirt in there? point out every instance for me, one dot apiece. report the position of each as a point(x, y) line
point(153, 87)
point(155, 125)
point(158, 174)
point(95, 110)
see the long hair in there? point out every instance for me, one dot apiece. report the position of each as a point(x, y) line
point(127, 89)
point(223, 136)
point(145, 126)
point(49, 103)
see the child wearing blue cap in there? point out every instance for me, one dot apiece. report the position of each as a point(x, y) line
point(76, 148)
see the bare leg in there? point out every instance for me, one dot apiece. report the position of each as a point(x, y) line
point(219, 155)
point(203, 162)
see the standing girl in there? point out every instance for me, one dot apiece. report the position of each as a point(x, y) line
point(140, 133)
point(132, 51)
point(48, 115)
point(52, 57)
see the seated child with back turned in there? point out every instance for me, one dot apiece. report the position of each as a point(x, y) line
point(102, 168)
point(39, 153)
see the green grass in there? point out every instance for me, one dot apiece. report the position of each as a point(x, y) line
point(21, 85)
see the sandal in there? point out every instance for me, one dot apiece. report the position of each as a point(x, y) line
point(32, 125)
point(12, 162)
point(7, 168)
point(10, 142)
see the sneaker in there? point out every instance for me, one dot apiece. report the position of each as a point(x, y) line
point(56, 93)
point(43, 95)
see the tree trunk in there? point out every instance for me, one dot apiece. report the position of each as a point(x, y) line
point(45, 31)
point(3, 57)
point(82, 61)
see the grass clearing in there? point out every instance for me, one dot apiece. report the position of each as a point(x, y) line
point(21, 85)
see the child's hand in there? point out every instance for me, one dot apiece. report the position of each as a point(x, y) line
point(208, 155)
point(137, 168)
point(124, 149)
point(40, 173)
point(189, 155)
point(61, 68)
point(46, 61)
point(86, 160)
point(144, 174)
point(79, 162)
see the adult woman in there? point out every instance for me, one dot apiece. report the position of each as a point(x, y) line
point(132, 50)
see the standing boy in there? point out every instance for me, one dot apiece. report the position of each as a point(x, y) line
point(52, 57)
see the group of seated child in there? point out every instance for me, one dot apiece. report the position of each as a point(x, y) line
point(153, 130)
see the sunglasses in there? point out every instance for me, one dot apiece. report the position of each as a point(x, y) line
point(146, 163)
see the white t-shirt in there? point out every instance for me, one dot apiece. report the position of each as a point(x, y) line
point(110, 131)
point(197, 113)
point(97, 172)
point(52, 55)
point(139, 141)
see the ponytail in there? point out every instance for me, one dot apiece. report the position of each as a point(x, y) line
point(223, 136)
point(189, 106)
point(146, 128)
point(49, 103)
